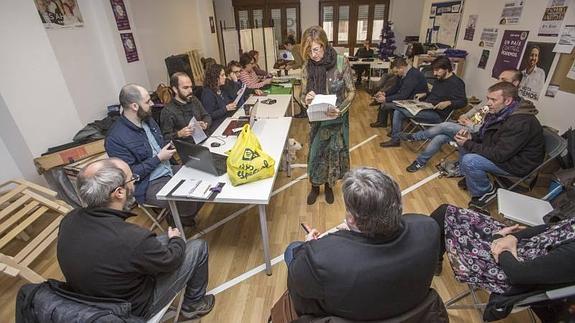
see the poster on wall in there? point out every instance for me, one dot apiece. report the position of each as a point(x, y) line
point(59, 13)
point(511, 12)
point(566, 42)
point(535, 66)
point(488, 37)
point(510, 50)
point(470, 29)
point(483, 60)
point(564, 74)
point(120, 14)
point(129, 47)
point(553, 18)
point(444, 19)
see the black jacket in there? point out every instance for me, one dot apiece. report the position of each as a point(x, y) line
point(412, 83)
point(101, 255)
point(515, 144)
point(451, 89)
point(352, 276)
point(176, 115)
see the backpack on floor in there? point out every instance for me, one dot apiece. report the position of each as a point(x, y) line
point(449, 168)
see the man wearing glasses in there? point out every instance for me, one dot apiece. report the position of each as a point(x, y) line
point(101, 255)
point(136, 139)
point(233, 86)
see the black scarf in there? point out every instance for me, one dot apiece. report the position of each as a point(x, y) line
point(316, 71)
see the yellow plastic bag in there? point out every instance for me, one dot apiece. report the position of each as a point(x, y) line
point(247, 162)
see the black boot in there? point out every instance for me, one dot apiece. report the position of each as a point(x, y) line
point(328, 194)
point(312, 196)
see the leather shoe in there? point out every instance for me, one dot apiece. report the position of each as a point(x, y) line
point(377, 125)
point(462, 184)
point(390, 143)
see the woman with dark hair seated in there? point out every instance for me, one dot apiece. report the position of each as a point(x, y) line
point(248, 75)
point(257, 69)
point(508, 260)
point(212, 97)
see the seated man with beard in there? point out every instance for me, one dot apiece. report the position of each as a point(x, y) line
point(176, 115)
point(136, 139)
point(102, 255)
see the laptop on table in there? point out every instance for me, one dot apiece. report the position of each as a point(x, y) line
point(201, 158)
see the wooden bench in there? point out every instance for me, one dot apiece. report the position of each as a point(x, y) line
point(22, 205)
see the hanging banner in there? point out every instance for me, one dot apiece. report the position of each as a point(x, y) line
point(553, 18)
point(120, 14)
point(129, 47)
point(510, 50)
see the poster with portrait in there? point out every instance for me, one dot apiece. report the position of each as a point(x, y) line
point(535, 67)
point(120, 14)
point(470, 29)
point(553, 18)
point(129, 47)
point(59, 13)
point(511, 13)
point(512, 45)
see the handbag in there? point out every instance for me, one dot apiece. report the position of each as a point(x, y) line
point(247, 162)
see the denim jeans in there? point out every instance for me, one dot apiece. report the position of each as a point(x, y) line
point(475, 169)
point(400, 114)
point(193, 274)
point(384, 111)
point(288, 254)
point(439, 135)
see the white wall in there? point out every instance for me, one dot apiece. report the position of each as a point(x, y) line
point(405, 17)
point(172, 29)
point(556, 112)
point(84, 67)
point(32, 85)
point(10, 169)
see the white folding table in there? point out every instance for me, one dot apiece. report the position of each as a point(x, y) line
point(272, 134)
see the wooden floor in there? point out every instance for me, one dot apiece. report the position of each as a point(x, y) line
point(236, 248)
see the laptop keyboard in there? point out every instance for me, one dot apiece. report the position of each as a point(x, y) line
point(220, 162)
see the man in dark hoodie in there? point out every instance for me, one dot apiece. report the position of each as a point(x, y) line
point(102, 255)
point(510, 142)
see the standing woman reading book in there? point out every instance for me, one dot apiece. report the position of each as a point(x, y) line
point(326, 72)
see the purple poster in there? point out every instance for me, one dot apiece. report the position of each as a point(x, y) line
point(120, 14)
point(510, 51)
point(129, 47)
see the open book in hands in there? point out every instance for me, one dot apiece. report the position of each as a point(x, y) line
point(320, 105)
point(414, 106)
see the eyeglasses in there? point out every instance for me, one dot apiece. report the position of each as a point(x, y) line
point(134, 178)
point(316, 50)
point(236, 72)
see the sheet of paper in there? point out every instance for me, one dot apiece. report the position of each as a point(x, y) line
point(240, 94)
point(553, 18)
point(448, 23)
point(198, 135)
point(317, 110)
point(566, 41)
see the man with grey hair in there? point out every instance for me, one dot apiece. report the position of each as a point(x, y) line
point(378, 265)
point(137, 139)
point(101, 255)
